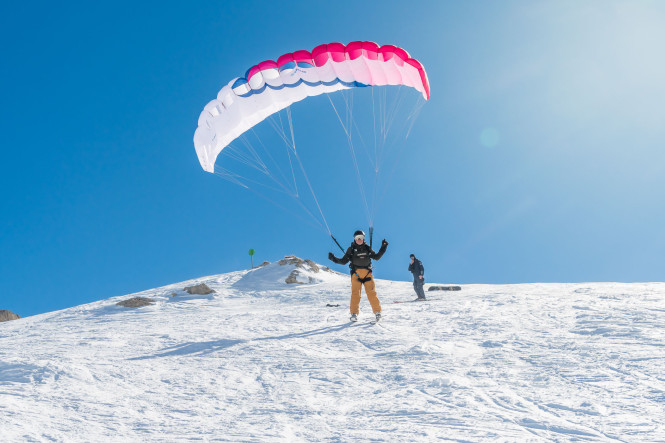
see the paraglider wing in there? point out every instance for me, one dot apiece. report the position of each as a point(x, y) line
point(271, 86)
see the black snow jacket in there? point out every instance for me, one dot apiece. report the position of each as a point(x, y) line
point(417, 268)
point(360, 256)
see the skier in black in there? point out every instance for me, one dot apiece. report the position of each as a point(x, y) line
point(360, 254)
point(418, 270)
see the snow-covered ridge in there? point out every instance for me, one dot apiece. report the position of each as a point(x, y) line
point(263, 360)
point(290, 270)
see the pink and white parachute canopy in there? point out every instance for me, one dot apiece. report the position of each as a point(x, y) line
point(271, 86)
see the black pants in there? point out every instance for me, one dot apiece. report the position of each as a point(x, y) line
point(418, 284)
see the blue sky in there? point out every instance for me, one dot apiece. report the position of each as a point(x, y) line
point(539, 157)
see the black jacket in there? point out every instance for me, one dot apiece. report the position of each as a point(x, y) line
point(360, 256)
point(417, 268)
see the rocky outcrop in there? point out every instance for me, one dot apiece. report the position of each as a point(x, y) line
point(444, 288)
point(291, 270)
point(313, 266)
point(136, 302)
point(200, 289)
point(293, 278)
point(296, 276)
point(8, 315)
point(292, 260)
point(302, 264)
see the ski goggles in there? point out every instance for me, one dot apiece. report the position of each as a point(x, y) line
point(361, 237)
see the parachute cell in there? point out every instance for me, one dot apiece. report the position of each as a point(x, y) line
point(271, 86)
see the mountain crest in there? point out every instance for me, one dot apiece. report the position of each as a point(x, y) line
point(288, 271)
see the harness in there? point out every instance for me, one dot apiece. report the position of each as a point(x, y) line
point(366, 279)
point(357, 249)
point(360, 259)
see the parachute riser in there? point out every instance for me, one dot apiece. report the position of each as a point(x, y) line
point(337, 243)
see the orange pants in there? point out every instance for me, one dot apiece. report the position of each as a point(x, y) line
point(356, 287)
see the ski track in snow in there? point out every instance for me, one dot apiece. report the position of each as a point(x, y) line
point(264, 361)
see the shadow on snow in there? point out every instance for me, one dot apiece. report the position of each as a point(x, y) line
point(208, 347)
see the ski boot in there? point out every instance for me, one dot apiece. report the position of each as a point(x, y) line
point(354, 317)
point(378, 316)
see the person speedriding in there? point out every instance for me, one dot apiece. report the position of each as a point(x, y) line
point(360, 256)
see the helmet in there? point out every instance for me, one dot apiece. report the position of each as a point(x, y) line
point(358, 232)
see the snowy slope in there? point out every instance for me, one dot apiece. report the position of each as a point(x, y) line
point(261, 360)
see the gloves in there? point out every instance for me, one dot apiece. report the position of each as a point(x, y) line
point(384, 242)
point(331, 257)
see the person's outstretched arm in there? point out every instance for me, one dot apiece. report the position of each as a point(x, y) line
point(378, 255)
point(340, 261)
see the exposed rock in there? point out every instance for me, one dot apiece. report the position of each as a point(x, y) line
point(8, 315)
point(305, 266)
point(265, 263)
point(200, 289)
point(299, 262)
point(136, 302)
point(314, 266)
point(291, 260)
point(444, 288)
point(293, 278)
